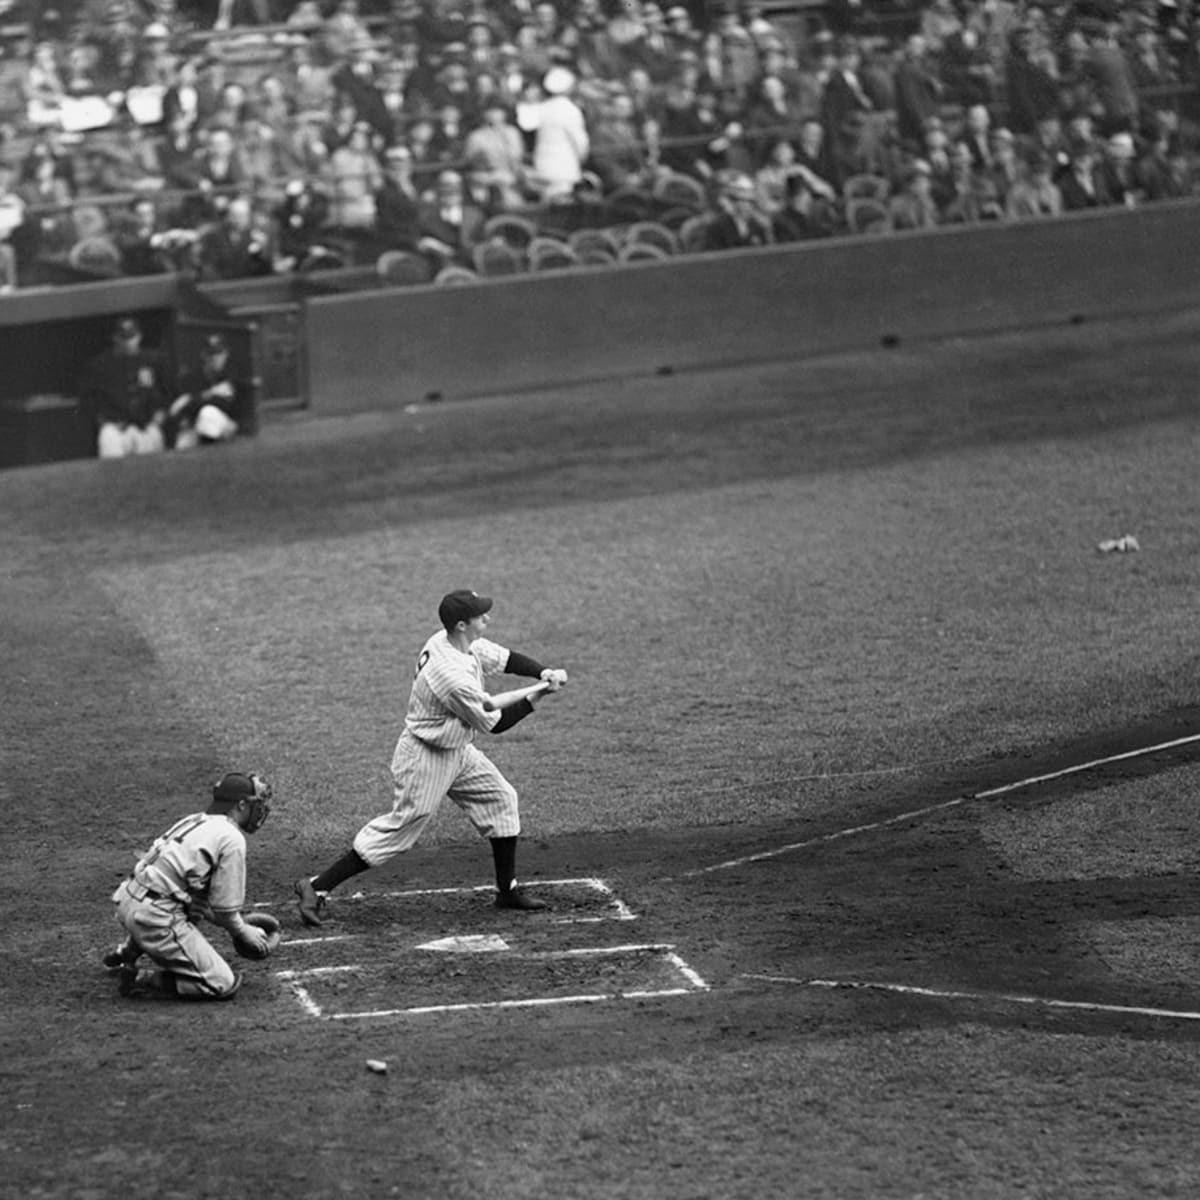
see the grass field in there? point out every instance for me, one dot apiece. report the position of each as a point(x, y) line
point(794, 600)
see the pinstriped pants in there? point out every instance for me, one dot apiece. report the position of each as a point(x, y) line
point(422, 776)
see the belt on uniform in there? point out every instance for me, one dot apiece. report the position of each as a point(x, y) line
point(140, 892)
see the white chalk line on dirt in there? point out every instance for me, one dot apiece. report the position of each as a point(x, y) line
point(982, 997)
point(914, 814)
point(694, 984)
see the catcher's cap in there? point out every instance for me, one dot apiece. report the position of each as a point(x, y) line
point(462, 605)
point(236, 786)
point(215, 344)
point(126, 328)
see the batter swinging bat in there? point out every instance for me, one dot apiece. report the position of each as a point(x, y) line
point(506, 699)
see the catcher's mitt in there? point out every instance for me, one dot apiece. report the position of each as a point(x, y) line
point(270, 925)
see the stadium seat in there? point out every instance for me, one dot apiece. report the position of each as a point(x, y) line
point(515, 230)
point(453, 276)
point(402, 267)
point(584, 241)
point(551, 254)
point(96, 256)
point(676, 190)
point(868, 216)
point(866, 186)
point(692, 233)
point(652, 233)
point(642, 252)
point(497, 257)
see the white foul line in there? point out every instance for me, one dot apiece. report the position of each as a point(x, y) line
point(988, 794)
point(1003, 997)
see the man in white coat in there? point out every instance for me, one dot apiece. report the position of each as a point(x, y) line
point(561, 144)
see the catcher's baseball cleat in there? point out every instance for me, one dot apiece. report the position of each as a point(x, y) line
point(124, 955)
point(309, 901)
point(518, 898)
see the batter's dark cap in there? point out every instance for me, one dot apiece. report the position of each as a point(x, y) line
point(462, 605)
point(127, 327)
point(215, 344)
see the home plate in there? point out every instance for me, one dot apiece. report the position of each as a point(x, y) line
point(482, 943)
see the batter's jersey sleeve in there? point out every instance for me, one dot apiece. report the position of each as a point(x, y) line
point(201, 861)
point(445, 706)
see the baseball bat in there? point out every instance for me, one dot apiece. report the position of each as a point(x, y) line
point(507, 699)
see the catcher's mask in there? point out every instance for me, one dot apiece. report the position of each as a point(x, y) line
point(236, 787)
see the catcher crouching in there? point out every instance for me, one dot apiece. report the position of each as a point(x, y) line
point(195, 870)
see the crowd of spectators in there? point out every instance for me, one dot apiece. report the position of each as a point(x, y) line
point(247, 137)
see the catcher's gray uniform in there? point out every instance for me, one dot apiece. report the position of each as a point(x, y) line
point(196, 869)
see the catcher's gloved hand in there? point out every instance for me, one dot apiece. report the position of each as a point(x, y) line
point(261, 938)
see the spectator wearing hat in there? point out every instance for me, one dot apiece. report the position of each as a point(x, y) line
point(977, 135)
point(449, 225)
point(45, 86)
point(1080, 183)
point(1035, 194)
point(299, 222)
point(771, 114)
point(681, 32)
point(126, 387)
point(213, 405)
point(919, 91)
point(739, 223)
point(689, 121)
point(618, 146)
point(1151, 66)
point(561, 143)
point(238, 245)
point(49, 231)
point(155, 64)
point(343, 31)
point(1005, 168)
point(966, 69)
point(1109, 75)
point(1163, 169)
point(803, 216)
point(353, 177)
point(972, 195)
point(141, 240)
point(1118, 172)
point(397, 202)
point(494, 153)
point(449, 138)
point(844, 105)
point(357, 80)
point(217, 172)
point(1031, 82)
point(812, 153)
point(915, 205)
point(940, 20)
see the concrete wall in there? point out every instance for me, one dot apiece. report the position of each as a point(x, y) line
point(376, 349)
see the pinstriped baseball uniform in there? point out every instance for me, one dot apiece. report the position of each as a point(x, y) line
point(435, 755)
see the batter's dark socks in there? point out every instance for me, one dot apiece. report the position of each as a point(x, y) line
point(504, 851)
point(349, 864)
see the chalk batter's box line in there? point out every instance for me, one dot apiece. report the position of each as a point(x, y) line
point(914, 814)
point(620, 910)
point(907, 989)
point(694, 984)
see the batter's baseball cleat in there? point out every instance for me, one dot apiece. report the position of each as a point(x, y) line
point(309, 901)
point(519, 898)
